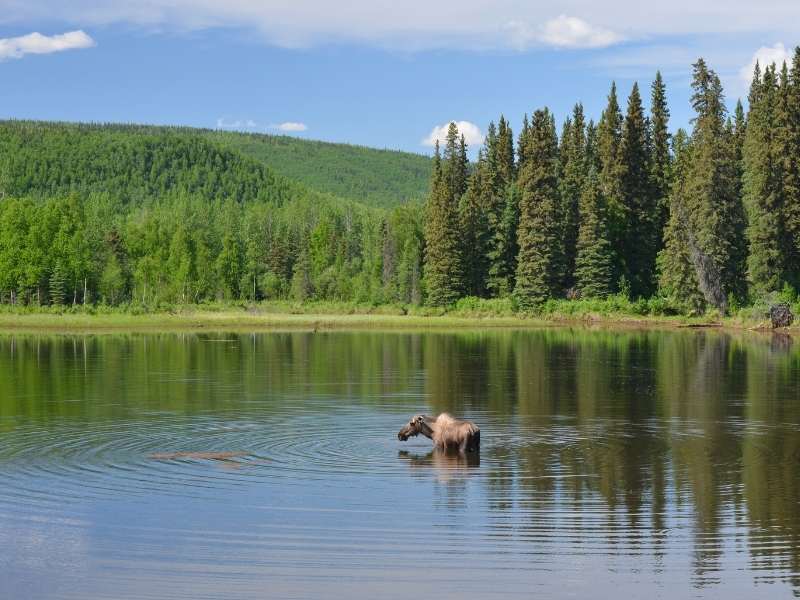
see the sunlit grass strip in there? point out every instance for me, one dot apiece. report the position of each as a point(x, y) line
point(332, 316)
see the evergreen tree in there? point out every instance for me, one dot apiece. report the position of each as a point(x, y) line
point(705, 213)
point(640, 240)
point(539, 235)
point(500, 208)
point(573, 174)
point(57, 292)
point(660, 164)
point(444, 269)
point(522, 143)
point(677, 276)
point(594, 261)
point(789, 152)
point(762, 190)
point(475, 238)
point(505, 169)
point(608, 144)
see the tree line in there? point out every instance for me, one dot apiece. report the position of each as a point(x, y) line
point(709, 218)
point(129, 215)
point(702, 219)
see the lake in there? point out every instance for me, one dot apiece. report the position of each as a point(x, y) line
point(660, 464)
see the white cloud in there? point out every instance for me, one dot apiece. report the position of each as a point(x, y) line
point(225, 123)
point(471, 132)
point(36, 43)
point(765, 56)
point(290, 126)
point(422, 24)
point(561, 32)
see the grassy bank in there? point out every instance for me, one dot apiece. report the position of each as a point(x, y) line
point(471, 312)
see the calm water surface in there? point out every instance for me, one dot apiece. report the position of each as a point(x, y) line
point(639, 465)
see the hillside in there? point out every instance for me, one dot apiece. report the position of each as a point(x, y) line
point(131, 163)
point(126, 214)
point(374, 177)
point(53, 156)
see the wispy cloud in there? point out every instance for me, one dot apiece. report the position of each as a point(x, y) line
point(471, 132)
point(421, 24)
point(36, 43)
point(765, 56)
point(561, 32)
point(289, 126)
point(225, 123)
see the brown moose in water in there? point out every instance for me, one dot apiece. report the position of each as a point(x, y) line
point(446, 432)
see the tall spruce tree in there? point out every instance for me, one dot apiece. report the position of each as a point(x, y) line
point(608, 144)
point(790, 154)
point(500, 208)
point(640, 231)
point(573, 174)
point(475, 233)
point(660, 163)
point(504, 168)
point(594, 261)
point(522, 143)
point(539, 234)
point(444, 266)
point(762, 189)
point(677, 276)
point(705, 213)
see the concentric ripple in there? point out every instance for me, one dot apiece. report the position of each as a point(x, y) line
point(180, 467)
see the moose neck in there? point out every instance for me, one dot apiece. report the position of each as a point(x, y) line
point(426, 427)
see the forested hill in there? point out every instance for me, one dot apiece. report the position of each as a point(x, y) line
point(145, 216)
point(137, 161)
point(374, 177)
point(131, 163)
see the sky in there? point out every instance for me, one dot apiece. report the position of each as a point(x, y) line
point(379, 73)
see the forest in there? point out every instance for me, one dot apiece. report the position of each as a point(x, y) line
point(681, 222)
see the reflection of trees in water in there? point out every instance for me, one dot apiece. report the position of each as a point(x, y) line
point(640, 424)
point(657, 420)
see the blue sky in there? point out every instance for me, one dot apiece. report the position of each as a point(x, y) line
point(370, 72)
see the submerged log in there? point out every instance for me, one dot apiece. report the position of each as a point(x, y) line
point(197, 455)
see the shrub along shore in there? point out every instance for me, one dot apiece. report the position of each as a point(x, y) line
point(615, 311)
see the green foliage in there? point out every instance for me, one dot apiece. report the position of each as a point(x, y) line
point(763, 192)
point(640, 230)
point(706, 230)
point(379, 178)
point(112, 281)
point(56, 285)
point(133, 164)
point(594, 262)
point(612, 169)
point(444, 263)
point(539, 275)
point(661, 159)
point(475, 231)
point(573, 173)
point(149, 217)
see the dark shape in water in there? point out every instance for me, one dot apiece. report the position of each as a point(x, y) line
point(222, 456)
point(445, 431)
point(781, 315)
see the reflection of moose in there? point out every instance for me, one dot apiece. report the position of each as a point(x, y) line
point(446, 432)
point(444, 462)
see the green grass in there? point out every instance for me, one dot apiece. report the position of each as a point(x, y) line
point(469, 312)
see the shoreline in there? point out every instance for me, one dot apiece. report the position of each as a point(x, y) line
point(197, 319)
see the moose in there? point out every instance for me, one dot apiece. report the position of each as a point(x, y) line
point(446, 432)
